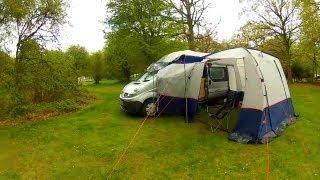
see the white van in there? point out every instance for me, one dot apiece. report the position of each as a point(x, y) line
point(139, 96)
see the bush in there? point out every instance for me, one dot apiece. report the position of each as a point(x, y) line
point(98, 67)
point(68, 105)
point(6, 69)
point(300, 71)
point(39, 76)
point(62, 106)
point(80, 60)
point(4, 102)
point(48, 76)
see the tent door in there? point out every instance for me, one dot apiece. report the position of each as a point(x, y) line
point(218, 81)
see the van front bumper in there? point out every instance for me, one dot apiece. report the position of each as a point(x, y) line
point(133, 107)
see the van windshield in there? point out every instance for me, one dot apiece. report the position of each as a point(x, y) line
point(152, 70)
point(156, 66)
point(147, 76)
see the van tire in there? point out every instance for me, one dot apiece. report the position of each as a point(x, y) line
point(147, 104)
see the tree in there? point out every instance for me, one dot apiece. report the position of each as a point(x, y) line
point(2, 15)
point(273, 46)
point(3, 20)
point(6, 65)
point(251, 35)
point(45, 75)
point(98, 66)
point(147, 18)
point(207, 43)
point(80, 57)
point(29, 23)
point(190, 13)
point(31, 19)
point(126, 56)
point(310, 41)
point(281, 18)
point(60, 79)
point(238, 41)
point(27, 73)
point(141, 34)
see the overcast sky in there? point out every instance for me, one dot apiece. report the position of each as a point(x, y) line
point(86, 22)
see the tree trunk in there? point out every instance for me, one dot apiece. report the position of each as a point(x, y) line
point(191, 38)
point(126, 72)
point(289, 71)
point(289, 68)
point(190, 33)
point(18, 69)
point(314, 68)
point(288, 59)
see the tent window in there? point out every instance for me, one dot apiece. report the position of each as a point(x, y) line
point(218, 74)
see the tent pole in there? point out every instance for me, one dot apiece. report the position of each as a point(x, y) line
point(185, 91)
point(315, 67)
point(154, 95)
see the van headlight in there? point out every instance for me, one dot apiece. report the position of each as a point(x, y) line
point(127, 95)
point(130, 95)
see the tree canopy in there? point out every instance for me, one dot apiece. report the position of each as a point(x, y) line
point(310, 40)
point(80, 58)
point(190, 14)
point(31, 19)
point(141, 34)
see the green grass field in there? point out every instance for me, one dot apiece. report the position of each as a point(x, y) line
point(85, 145)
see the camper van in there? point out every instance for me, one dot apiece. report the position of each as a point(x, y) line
point(139, 96)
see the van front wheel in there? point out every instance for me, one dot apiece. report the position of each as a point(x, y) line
point(149, 108)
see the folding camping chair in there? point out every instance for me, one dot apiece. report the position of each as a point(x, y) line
point(216, 120)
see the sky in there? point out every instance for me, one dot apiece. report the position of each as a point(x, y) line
point(85, 25)
point(86, 18)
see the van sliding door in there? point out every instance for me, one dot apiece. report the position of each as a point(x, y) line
point(218, 84)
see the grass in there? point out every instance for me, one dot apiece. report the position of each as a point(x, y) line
point(85, 145)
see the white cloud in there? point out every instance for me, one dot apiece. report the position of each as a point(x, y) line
point(227, 11)
point(86, 25)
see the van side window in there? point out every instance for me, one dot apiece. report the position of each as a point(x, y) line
point(218, 74)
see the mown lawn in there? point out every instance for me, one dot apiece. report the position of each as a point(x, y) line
point(86, 144)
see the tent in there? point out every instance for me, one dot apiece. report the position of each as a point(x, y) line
point(256, 77)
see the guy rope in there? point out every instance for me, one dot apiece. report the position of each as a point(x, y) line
point(121, 156)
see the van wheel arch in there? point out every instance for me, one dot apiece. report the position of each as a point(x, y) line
point(146, 104)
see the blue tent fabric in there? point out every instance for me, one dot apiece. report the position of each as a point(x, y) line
point(185, 59)
point(238, 97)
point(177, 106)
point(256, 126)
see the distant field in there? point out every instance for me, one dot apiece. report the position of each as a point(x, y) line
point(86, 144)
